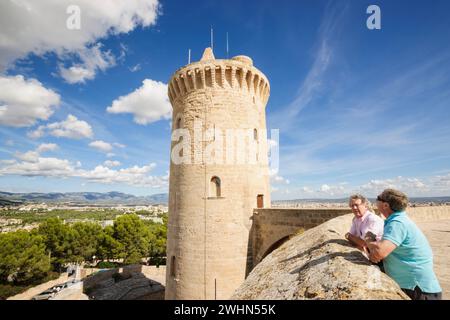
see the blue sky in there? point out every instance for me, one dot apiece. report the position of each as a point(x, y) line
point(358, 109)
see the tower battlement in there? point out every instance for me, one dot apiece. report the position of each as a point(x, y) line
point(237, 73)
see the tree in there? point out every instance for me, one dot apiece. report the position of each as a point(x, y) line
point(157, 244)
point(57, 237)
point(109, 248)
point(87, 237)
point(23, 258)
point(133, 236)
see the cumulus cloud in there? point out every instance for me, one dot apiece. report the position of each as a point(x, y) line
point(29, 156)
point(31, 164)
point(39, 166)
point(136, 176)
point(23, 102)
point(33, 156)
point(277, 179)
point(92, 60)
point(44, 147)
point(410, 185)
point(71, 128)
point(23, 29)
point(111, 163)
point(148, 104)
point(101, 146)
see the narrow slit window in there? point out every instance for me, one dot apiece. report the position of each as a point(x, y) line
point(260, 201)
point(173, 266)
point(178, 124)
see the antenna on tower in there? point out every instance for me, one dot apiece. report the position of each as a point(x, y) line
point(189, 57)
point(212, 39)
point(227, 46)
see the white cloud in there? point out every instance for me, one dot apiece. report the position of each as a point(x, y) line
point(101, 145)
point(23, 28)
point(48, 167)
point(32, 165)
point(23, 102)
point(7, 162)
point(135, 68)
point(148, 104)
point(119, 145)
point(92, 60)
point(44, 147)
point(33, 156)
point(29, 156)
point(408, 185)
point(70, 128)
point(279, 179)
point(111, 163)
point(136, 176)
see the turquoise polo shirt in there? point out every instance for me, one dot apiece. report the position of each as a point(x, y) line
point(410, 264)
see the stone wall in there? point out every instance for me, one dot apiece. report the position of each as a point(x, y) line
point(30, 293)
point(271, 227)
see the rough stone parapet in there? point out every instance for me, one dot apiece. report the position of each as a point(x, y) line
point(318, 264)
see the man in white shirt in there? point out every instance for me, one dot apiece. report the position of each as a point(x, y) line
point(365, 224)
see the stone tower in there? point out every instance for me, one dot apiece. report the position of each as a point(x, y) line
point(220, 105)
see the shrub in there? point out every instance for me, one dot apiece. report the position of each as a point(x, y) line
point(107, 265)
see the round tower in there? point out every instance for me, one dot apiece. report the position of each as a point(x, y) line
point(218, 174)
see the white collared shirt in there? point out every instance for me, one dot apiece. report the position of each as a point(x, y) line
point(368, 222)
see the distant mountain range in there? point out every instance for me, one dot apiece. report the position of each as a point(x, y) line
point(115, 198)
point(108, 198)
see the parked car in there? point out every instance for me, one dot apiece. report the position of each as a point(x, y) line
point(46, 295)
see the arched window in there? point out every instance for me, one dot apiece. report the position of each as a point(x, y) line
point(255, 134)
point(215, 187)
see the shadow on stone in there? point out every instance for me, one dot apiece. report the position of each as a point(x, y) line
point(353, 257)
point(341, 242)
point(127, 283)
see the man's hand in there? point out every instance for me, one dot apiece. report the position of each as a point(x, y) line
point(359, 243)
point(380, 250)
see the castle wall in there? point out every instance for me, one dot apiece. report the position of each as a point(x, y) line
point(272, 226)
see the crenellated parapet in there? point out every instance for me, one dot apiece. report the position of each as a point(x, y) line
point(237, 73)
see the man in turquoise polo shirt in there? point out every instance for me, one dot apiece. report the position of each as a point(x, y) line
point(404, 249)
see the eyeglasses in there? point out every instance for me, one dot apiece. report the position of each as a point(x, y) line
point(380, 199)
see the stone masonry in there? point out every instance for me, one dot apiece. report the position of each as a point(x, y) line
point(211, 204)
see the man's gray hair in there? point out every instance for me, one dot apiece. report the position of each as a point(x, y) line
point(357, 196)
